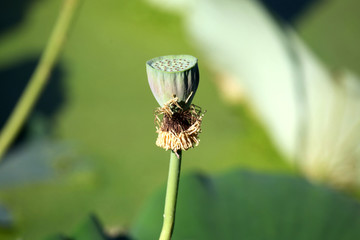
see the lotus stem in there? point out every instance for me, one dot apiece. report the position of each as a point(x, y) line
point(173, 80)
point(171, 195)
point(40, 76)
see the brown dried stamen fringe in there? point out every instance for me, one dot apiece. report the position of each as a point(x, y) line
point(178, 129)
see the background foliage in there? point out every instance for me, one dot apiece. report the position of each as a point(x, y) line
point(89, 145)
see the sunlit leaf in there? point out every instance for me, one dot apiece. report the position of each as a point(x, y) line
point(247, 205)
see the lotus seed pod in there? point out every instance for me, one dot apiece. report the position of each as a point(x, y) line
point(173, 75)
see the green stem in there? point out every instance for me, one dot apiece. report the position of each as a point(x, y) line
point(40, 76)
point(171, 196)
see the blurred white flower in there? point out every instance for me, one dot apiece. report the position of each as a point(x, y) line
point(312, 115)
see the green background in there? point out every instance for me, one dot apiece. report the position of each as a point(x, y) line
point(112, 164)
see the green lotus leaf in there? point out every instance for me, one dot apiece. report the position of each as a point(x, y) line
point(253, 206)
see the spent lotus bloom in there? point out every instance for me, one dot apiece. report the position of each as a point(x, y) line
point(174, 80)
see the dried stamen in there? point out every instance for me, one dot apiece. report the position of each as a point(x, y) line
point(179, 128)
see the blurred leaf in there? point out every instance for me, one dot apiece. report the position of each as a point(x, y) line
point(248, 205)
point(42, 176)
point(6, 219)
point(39, 160)
point(90, 230)
point(57, 237)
